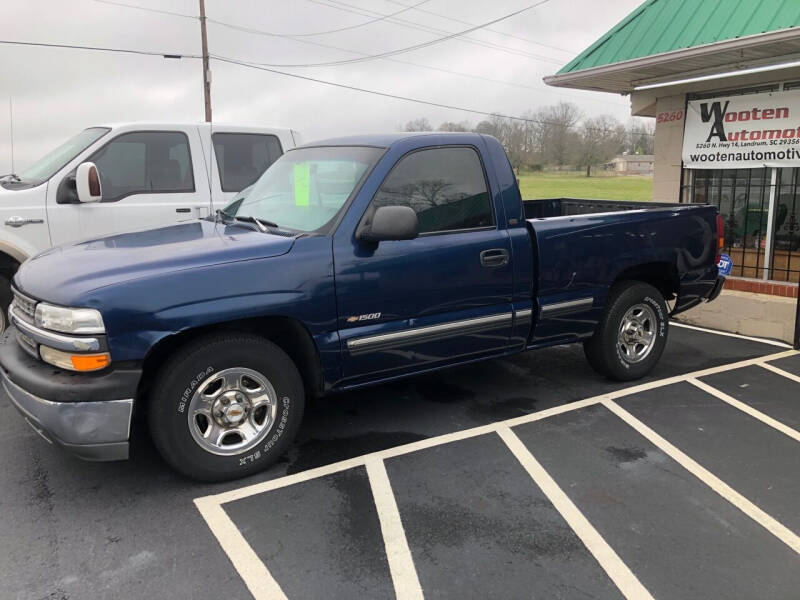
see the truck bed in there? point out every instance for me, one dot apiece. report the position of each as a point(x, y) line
point(561, 207)
point(581, 247)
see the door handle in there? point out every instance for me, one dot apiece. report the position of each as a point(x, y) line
point(183, 210)
point(20, 221)
point(496, 257)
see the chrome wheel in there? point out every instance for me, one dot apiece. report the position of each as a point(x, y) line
point(637, 333)
point(231, 411)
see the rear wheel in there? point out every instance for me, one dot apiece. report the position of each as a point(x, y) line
point(226, 406)
point(631, 337)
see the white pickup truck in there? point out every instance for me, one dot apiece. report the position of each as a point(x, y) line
point(150, 174)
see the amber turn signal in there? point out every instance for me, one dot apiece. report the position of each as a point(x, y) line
point(90, 362)
point(75, 362)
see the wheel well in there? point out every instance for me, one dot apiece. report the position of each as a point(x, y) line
point(8, 266)
point(288, 334)
point(661, 275)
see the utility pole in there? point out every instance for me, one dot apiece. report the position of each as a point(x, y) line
point(206, 69)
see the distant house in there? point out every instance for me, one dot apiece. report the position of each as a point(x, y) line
point(633, 164)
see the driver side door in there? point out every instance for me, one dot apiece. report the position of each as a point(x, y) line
point(443, 297)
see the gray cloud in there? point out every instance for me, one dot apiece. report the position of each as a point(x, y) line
point(57, 92)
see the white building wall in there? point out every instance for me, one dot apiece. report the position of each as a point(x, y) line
point(670, 116)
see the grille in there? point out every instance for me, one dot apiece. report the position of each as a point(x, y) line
point(24, 307)
point(28, 345)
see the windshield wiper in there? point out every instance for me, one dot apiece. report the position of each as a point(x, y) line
point(262, 224)
point(12, 176)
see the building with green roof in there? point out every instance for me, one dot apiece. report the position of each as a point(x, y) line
point(722, 79)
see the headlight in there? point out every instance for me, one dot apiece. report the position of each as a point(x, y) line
point(69, 320)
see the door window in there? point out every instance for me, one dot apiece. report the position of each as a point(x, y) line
point(243, 157)
point(145, 162)
point(446, 187)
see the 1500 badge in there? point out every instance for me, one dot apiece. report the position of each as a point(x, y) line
point(369, 317)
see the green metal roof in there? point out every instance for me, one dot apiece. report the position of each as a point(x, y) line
point(660, 26)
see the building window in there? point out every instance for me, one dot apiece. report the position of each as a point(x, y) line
point(785, 264)
point(743, 199)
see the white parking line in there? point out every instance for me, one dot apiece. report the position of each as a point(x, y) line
point(258, 578)
point(250, 567)
point(267, 486)
point(612, 564)
point(746, 408)
point(401, 564)
point(780, 372)
point(729, 334)
point(776, 528)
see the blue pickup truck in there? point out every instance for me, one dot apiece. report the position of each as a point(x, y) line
point(349, 263)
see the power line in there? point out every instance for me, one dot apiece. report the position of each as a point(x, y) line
point(397, 97)
point(296, 76)
point(407, 48)
point(380, 17)
point(301, 40)
point(497, 31)
point(442, 70)
point(349, 27)
point(102, 49)
point(540, 89)
point(145, 8)
point(336, 4)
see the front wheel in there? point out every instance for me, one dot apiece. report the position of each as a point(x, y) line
point(226, 406)
point(631, 337)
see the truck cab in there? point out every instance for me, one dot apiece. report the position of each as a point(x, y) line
point(151, 174)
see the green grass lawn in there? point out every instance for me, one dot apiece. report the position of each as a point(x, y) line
point(573, 184)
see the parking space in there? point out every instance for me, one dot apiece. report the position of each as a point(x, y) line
point(685, 486)
point(525, 476)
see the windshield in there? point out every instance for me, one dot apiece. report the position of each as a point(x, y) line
point(47, 166)
point(305, 189)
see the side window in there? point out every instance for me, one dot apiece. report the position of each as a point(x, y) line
point(144, 162)
point(445, 187)
point(243, 157)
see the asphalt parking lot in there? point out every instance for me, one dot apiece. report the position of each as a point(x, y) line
point(520, 477)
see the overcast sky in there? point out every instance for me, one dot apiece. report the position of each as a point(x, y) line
point(57, 92)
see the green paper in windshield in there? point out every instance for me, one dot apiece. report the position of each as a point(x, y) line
point(302, 183)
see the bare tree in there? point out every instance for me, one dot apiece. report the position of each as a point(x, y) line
point(559, 137)
point(641, 136)
point(601, 139)
point(492, 126)
point(453, 126)
point(512, 134)
point(421, 124)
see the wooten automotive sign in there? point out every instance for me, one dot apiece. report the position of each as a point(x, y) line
point(743, 132)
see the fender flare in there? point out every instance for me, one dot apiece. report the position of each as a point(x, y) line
point(13, 251)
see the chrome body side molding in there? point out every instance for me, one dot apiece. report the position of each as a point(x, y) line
point(567, 307)
point(430, 333)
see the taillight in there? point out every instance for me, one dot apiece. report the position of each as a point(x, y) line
point(720, 237)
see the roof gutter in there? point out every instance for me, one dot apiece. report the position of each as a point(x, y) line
point(743, 43)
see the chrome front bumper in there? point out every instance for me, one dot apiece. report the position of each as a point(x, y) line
point(96, 431)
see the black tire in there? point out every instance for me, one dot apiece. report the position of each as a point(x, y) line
point(196, 363)
point(5, 302)
point(603, 350)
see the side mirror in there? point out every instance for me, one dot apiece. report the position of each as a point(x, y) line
point(390, 223)
point(87, 183)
